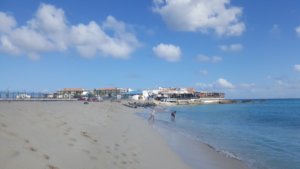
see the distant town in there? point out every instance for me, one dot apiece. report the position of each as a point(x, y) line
point(159, 96)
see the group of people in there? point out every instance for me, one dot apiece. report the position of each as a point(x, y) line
point(151, 118)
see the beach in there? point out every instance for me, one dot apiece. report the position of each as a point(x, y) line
point(98, 135)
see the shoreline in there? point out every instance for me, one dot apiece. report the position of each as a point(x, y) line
point(65, 135)
point(195, 153)
point(199, 154)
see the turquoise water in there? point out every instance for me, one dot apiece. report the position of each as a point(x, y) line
point(265, 133)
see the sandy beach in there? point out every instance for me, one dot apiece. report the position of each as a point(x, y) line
point(72, 135)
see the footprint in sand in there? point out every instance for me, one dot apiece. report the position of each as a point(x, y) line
point(61, 124)
point(86, 151)
point(9, 133)
point(72, 139)
point(71, 144)
point(58, 117)
point(124, 154)
point(117, 146)
point(68, 129)
point(52, 167)
point(115, 163)
point(85, 134)
point(3, 125)
point(33, 149)
point(46, 157)
point(15, 154)
point(93, 157)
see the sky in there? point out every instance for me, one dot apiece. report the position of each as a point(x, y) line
point(247, 49)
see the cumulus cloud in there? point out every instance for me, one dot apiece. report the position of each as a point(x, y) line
point(213, 59)
point(297, 68)
point(168, 52)
point(7, 22)
point(201, 15)
point(221, 83)
point(231, 48)
point(90, 39)
point(49, 31)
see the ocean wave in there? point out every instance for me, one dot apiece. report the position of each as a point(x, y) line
point(229, 154)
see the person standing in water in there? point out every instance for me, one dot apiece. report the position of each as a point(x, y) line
point(151, 119)
point(173, 115)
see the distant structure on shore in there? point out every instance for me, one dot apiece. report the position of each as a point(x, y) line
point(185, 96)
point(158, 96)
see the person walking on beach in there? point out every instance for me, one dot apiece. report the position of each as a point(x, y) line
point(173, 114)
point(152, 117)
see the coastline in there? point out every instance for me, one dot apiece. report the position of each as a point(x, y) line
point(64, 135)
point(198, 154)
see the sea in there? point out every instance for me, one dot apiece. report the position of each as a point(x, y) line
point(264, 134)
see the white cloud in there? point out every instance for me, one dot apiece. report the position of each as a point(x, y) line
point(168, 52)
point(7, 46)
point(213, 59)
point(6, 22)
point(201, 15)
point(91, 38)
point(49, 31)
point(297, 68)
point(280, 87)
point(231, 48)
point(219, 84)
point(298, 31)
point(223, 83)
point(48, 18)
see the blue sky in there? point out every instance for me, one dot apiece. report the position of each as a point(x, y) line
point(247, 49)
